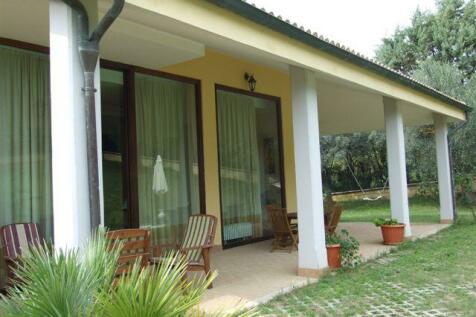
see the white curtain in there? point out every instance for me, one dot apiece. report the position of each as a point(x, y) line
point(165, 120)
point(25, 146)
point(239, 161)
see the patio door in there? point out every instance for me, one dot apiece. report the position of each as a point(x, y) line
point(168, 172)
point(151, 151)
point(117, 213)
point(250, 163)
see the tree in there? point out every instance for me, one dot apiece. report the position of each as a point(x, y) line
point(438, 49)
point(447, 36)
point(420, 141)
point(352, 161)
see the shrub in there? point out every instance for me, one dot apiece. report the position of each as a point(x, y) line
point(349, 248)
point(79, 282)
point(385, 222)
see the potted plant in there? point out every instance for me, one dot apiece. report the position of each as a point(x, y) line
point(342, 250)
point(333, 251)
point(392, 231)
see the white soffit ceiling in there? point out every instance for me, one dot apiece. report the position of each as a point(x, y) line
point(346, 109)
point(25, 20)
point(131, 43)
point(209, 39)
point(126, 41)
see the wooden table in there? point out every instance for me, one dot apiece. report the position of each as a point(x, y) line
point(294, 216)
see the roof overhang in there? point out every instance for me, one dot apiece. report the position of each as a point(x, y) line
point(239, 28)
point(312, 39)
point(154, 34)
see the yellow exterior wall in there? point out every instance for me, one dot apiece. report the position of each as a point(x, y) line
point(216, 68)
point(225, 24)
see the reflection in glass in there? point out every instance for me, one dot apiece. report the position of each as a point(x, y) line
point(112, 116)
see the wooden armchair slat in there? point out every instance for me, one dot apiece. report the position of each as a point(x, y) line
point(334, 219)
point(196, 245)
point(16, 239)
point(332, 212)
point(285, 235)
point(135, 247)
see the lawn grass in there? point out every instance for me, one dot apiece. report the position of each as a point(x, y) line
point(421, 210)
point(436, 274)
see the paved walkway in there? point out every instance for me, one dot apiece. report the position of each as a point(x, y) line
point(250, 275)
point(377, 303)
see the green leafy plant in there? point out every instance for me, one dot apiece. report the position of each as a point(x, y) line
point(332, 239)
point(64, 283)
point(385, 222)
point(349, 248)
point(80, 282)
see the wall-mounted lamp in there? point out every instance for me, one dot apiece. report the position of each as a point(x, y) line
point(251, 81)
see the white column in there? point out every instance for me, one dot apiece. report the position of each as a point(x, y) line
point(444, 173)
point(70, 183)
point(397, 171)
point(312, 248)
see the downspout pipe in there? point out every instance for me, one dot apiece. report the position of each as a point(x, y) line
point(88, 47)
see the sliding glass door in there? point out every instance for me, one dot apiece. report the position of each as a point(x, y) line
point(167, 155)
point(150, 152)
point(250, 163)
point(116, 207)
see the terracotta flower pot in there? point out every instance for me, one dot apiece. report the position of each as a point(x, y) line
point(393, 234)
point(333, 256)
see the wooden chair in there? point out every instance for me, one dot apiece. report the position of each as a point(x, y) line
point(334, 218)
point(16, 240)
point(285, 234)
point(196, 245)
point(135, 247)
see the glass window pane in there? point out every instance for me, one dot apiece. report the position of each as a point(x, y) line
point(168, 173)
point(250, 166)
point(112, 123)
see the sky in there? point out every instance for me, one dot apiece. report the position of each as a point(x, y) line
point(358, 24)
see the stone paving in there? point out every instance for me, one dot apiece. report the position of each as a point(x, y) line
point(380, 300)
point(251, 275)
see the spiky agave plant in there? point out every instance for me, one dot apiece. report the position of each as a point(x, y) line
point(154, 291)
point(79, 283)
point(62, 282)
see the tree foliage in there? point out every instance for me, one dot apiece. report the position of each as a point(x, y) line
point(353, 160)
point(447, 36)
point(448, 79)
point(438, 49)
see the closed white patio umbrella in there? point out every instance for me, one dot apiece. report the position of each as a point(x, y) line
point(159, 182)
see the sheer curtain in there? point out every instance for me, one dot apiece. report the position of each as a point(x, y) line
point(239, 162)
point(166, 131)
point(25, 145)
